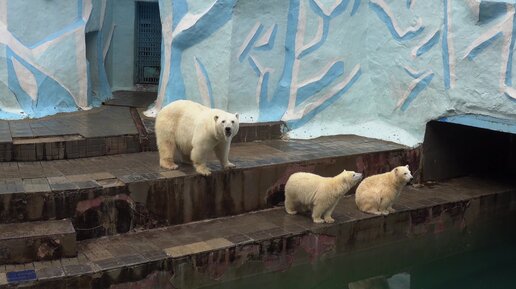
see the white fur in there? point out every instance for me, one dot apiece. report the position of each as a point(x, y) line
point(319, 194)
point(195, 131)
point(377, 193)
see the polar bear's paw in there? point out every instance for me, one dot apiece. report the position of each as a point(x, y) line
point(229, 166)
point(203, 170)
point(329, 220)
point(318, 220)
point(290, 212)
point(373, 212)
point(168, 164)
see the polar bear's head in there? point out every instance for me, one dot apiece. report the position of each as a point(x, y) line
point(227, 124)
point(351, 178)
point(403, 174)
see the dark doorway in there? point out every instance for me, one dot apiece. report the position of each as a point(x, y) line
point(453, 150)
point(148, 43)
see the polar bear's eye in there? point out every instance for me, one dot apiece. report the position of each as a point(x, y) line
point(223, 121)
point(232, 121)
point(405, 173)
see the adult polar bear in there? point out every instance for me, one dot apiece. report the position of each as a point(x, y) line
point(194, 130)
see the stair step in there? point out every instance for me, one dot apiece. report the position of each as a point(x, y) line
point(108, 130)
point(200, 254)
point(36, 241)
point(115, 194)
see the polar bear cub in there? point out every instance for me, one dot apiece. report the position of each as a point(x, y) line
point(377, 193)
point(195, 131)
point(306, 191)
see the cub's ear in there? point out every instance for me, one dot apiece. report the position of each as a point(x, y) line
point(216, 117)
point(396, 169)
point(406, 166)
point(237, 115)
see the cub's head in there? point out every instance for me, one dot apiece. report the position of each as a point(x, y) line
point(351, 178)
point(227, 124)
point(403, 174)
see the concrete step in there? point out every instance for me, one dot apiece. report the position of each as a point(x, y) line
point(203, 253)
point(108, 130)
point(37, 241)
point(115, 194)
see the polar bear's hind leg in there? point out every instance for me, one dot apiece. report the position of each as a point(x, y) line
point(166, 151)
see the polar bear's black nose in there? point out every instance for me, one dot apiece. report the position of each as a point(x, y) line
point(228, 129)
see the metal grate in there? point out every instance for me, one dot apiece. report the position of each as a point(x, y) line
point(148, 43)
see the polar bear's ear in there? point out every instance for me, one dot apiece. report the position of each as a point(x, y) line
point(216, 117)
point(406, 166)
point(237, 115)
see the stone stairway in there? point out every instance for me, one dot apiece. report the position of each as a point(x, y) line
point(198, 254)
point(69, 176)
point(30, 241)
point(114, 194)
point(120, 221)
point(108, 130)
point(76, 189)
point(64, 200)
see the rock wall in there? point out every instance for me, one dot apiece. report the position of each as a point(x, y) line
point(379, 68)
point(52, 56)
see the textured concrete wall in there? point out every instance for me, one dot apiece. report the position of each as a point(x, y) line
point(378, 68)
point(47, 64)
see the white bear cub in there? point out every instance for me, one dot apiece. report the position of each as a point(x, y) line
point(377, 193)
point(306, 191)
point(195, 131)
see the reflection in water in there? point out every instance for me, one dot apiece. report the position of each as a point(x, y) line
point(480, 256)
point(397, 281)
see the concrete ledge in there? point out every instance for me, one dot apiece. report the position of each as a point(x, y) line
point(203, 253)
point(115, 194)
point(108, 130)
point(36, 241)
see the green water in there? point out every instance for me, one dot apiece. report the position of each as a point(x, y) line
point(472, 258)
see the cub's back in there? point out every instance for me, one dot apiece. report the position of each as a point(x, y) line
point(303, 181)
point(372, 182)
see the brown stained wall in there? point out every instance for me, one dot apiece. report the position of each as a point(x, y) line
point(280, 254)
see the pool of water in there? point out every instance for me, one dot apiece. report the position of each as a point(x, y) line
point(483, 256)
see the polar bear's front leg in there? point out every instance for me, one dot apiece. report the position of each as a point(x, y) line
point(198, 157)
point(222, 153)
point(317, 212)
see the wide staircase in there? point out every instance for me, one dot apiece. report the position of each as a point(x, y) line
point(84, 203)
